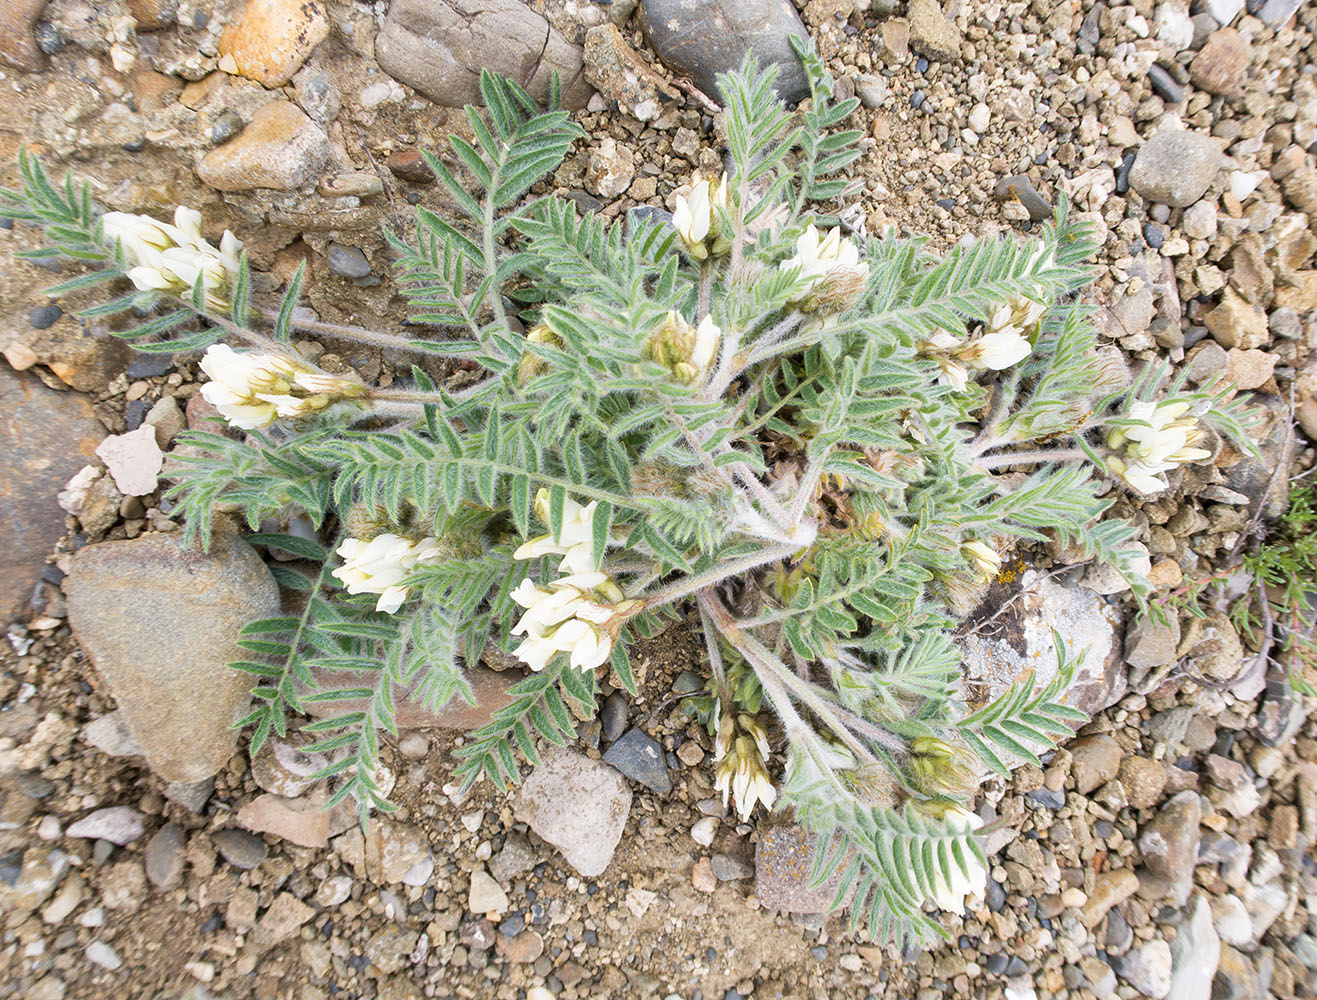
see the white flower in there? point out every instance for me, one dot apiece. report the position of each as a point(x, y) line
point(997, 350)
point(950, 895)
point(380, 565)
point(250, 390)
point(695, 217)
point(565, 617)
point(986, 562)
point(1147, 479)
point(242, 386)
point(742, 776)
point(164, 257)
point(575, 543)
point(1163, 438)
point(952, 373)
point(818, 257)
point(707, 335)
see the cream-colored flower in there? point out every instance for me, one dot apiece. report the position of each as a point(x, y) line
point(950, 894)
point(996, 351)
point(687, 351)
point(1165, 436)
point(242, 385)
point(171, 258)
point(742, 776)
point(251, 389)
point(380, 565)
point(985, 561)
point(696, 219)
point(1018, 313)
point(830, 265)
point(569, 616)
point(576, 541)
point(1146, 479)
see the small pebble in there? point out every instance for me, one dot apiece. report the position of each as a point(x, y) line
point(44, 317)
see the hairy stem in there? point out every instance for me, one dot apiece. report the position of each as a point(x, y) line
point(1030, 457)
point(716, 574)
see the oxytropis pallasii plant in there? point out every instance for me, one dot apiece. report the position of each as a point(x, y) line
point(806, 440)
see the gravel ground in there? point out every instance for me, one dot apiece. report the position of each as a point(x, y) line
point(1167, 851)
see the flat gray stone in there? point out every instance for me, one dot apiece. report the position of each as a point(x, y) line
point(578, 805)
point(46, 437)
point(702, 38)
point(1176, 168)
point(159, 621)
point(439, 47)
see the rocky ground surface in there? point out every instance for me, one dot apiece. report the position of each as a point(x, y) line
point(1166, 852)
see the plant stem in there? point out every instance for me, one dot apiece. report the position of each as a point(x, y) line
point(355, 334)
point(1030, 457)
point(717, 573)
point(774, 674)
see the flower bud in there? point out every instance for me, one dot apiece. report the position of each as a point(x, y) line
point(685, 350)
point(985, 561)
point(941, 769)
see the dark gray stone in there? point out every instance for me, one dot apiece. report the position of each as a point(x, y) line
point(1021, 189)
point(239, 848)
point(703, 38)
point(163, 856)
point(613, 715)
point(44, 317)
point(640, 758)
point(1164, 85)
point(46, 437)
point(150, 365)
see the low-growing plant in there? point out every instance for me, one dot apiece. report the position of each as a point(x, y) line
point(813, 441)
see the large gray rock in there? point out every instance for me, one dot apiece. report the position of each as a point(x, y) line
point(702, 38)
point(46, 437)
point(1176, 168)
point(159, 620)
point(439, 47)
point(578, 805)
point(1011, 631)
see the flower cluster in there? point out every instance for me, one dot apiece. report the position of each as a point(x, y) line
point(1004, 342)
point(687, 351)
point(740, 753)
point(251, 390)
point(578, 613)
point(171, 259)
point(572, 615)
point(695, 216)
point(380, 565)
point(831, 268)
point(1164, 438)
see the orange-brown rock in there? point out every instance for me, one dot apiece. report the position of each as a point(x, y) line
point(272, 38)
